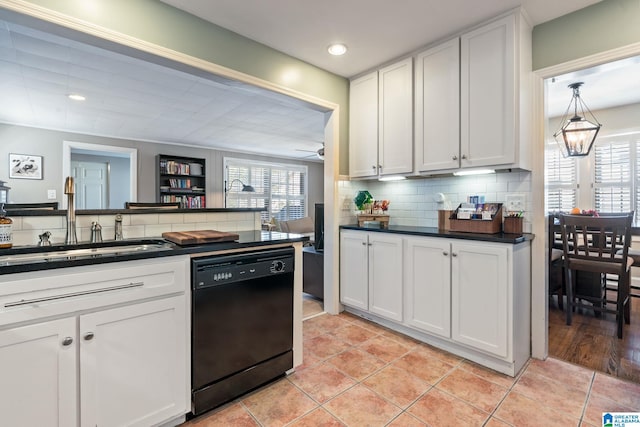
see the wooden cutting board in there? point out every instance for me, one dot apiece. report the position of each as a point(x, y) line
point(199, 237)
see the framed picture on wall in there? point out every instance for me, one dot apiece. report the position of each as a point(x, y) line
point(26, 166)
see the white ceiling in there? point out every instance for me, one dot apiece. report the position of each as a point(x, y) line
point(134, 99)
point(375, 31)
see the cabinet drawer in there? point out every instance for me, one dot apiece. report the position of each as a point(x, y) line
point(36, 295)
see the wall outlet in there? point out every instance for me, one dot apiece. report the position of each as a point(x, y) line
point(514, 202)
point(51, 194)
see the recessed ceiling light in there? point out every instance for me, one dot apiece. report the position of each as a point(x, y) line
point(337, 49)
point(76, 97)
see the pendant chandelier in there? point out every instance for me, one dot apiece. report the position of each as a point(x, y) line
point(579, 131)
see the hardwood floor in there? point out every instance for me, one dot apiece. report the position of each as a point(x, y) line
point(592, 342)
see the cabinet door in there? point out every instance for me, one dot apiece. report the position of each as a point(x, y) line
point(488, 95)
point(39, 374)
point(395, 118)
point(133, 369)
point(354, 289)
point(480, 295)
point(437, 112)
point(385, 275)
point(428, 285)
point(363, 126)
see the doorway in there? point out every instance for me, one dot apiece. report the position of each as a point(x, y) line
point(607, 180)
point(121, 175)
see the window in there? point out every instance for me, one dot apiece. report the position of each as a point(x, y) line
point(281, 189)
point(612, 182)
point(561, 180)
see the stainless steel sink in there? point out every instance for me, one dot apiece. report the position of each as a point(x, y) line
point(71, 253)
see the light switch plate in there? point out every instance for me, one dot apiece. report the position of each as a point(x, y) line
point(51, 194)
point(515, 202)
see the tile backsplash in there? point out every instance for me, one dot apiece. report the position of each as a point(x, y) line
point(26, 229)
point(413, 201)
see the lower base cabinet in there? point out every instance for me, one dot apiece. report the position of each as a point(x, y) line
point(471, 298)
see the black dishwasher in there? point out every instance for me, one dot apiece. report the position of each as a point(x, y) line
point(242, 324)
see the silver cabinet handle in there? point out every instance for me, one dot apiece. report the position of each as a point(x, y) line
point(454, 158)
point(373, 167)
point(369, 244)
point(464, 156)
point(67, 341)
point(364, 243)
point(445, 253)
point(454, 254)
point(88, 336)
point(73, 294)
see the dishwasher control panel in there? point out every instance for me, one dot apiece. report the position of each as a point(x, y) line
point(224, 269)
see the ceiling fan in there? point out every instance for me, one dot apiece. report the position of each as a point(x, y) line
point(319, 153)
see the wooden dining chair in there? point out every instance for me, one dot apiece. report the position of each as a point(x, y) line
point(598, 245)
point(555, 259)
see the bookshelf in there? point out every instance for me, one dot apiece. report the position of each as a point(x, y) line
point(181, 179)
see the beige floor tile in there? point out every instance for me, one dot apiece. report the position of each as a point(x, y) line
point(356, 320)
point(552, 393)
point(278, 404)
point(384, 348)
point(232, 415)
point(326, 322)
point(359, 406)
point(472, 389)
point(488, 374)
point(311, 306)
point(308, 359)
point(322, 382)
point(401, 338)
point(521, 411)
point(325, 346)
point(356, 363)
point(353, 334)
point(316, 418)
point(598, 404)
point(397, 386)
point(624, 392)
point(423, 365)
point(565, 372)
point(406, 420)
point(445, 356)
point(437, 408)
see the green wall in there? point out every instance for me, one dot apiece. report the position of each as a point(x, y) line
point(598, 28)
point(161, 24)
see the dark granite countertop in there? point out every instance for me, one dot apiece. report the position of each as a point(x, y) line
point(247, 239)
point(435, 232)
point(63, 212)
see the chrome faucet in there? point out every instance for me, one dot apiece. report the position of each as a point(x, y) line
point(96, 232)
point(119, 235)
point(69, 190)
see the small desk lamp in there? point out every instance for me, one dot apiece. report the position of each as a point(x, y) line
point(245, 188)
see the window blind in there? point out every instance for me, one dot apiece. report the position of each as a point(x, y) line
point(561, 181)
point(612, 176)
point(279, 188)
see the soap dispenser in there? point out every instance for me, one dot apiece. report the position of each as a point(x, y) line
point(6, 227)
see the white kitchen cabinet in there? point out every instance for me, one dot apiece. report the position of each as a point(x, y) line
point(395, 119)
point(437, 108)
point(480, 295)
point(495, 88)
point(129, 364)
point(428, 285)
point(111, 338)
point(363, 126)
point(381, 122)
point(39, 377)
point(469, 297)
point(472, 100)
point(371, 272)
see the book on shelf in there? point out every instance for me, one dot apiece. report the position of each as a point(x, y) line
point(186, 201)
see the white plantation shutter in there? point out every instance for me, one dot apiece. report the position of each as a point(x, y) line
point(280, 188)
point(613, 174)
point(561, 181)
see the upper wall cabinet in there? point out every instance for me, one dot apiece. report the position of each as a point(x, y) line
point(437, 112)
point(381, 122)
point(493, 86)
